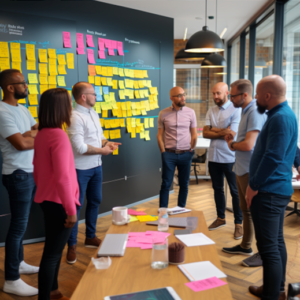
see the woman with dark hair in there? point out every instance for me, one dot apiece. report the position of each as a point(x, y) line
point(57, 187)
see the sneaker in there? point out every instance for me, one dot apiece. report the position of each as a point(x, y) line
point(238, 232)
point(92, 243)
point(238, 250)
point(19, 287)
point(71, 255)
point(217, 224)
point(253, 261)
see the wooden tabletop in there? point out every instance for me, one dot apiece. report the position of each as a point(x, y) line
point(133, 272)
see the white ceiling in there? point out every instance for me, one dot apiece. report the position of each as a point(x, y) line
point(232, 14)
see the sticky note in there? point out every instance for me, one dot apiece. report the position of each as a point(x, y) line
point(90, 56)
point(32, 78)
point(52, 70)
point(89, 40)
point(147, 135)
point(43, 88)
point(110, 71)
point(103, 81)
point(115, 84)
point(22, 101)
point(52, 86)
point(105, 90)
point(80, 51)
point(4, 63)
point(51, 53)
point(147, 218)
point(32, 98)
point(32, 88)
point(120, 48)
point(33, 111)
point(97, 108)
point(43, 69)
point(106, 133)
point(151, 122)
point(121, 72)
point(133, 134)
point(98, 70)
point(70, 60)
point(30, 52)
point(15, 54)
point(205, 284)
point(61, 81)
point(52, 79)
point(79, 40)
point(121, 95)
point(109, 81)
point(111, 52)
point(67, 39)
point(61, 58)
point(4, 52)
point(104, 113)
point(61, 70)
point(91, 79)
point(97, 80)
point(15, 65)
point(52, 61)
point(116, 152)
point(43, 57)
point(101, 54)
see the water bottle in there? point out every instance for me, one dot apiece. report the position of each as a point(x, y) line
point(163, 222)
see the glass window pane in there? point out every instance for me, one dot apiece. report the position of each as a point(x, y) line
point(291, 55)
point(264, 50)
point(235, 60)
point(247, 57)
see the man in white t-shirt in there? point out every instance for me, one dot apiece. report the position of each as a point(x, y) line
point(17, 133)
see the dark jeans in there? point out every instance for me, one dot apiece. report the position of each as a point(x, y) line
point(56, 238)
point(268, 214)
point(21, 190)
point(183, 163)
point(217, 172)
point(90, 183)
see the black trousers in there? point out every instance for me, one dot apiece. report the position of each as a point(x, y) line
point(56, 238)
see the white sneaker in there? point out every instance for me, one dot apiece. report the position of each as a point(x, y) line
point(19, 287)
point(27, 269)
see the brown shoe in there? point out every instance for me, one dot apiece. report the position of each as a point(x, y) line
point(92, 243)
point(71, 255)
point(238, 232)
point(258, 291)
point(59, 296)
point(217, 224)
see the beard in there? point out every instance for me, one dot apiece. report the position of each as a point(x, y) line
point(90, 103)
point(19, 95)
point(261, 109)
point(221, 101)
point(180, 104)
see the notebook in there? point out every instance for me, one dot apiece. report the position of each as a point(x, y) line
point(173, 222)
point(113, 245)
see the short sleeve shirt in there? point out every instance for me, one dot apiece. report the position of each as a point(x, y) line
point(14, 119)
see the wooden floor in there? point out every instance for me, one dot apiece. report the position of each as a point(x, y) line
point(200, 198)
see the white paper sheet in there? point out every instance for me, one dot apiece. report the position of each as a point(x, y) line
point(195, 239)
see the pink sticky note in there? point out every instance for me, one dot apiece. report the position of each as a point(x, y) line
point(79, 40)
point(101, 46)
point(205, 284)
point(80, 51)
point(144, 240)
point(107, 43)
point(146, 246)
point(90, 55)
point(89, 40)
point(132, 244)
point(67, 39)
point(101, 54)
point(120, 48)
point(111, 52)
point(136, 213)
point(113, 44)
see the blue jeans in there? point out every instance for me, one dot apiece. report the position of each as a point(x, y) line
point(268, 214)
point(90, 183)
point(21, 191)
point(217, 172)
point(169, 162)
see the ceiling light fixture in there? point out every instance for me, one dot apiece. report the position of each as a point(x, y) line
point(185, 33)
point(214, 60)
point(185, 56)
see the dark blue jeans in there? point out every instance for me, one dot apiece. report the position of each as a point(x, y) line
point(90, 184)
point(267, 212)
point(217, 172)
point(21, 190)
point(183, 163)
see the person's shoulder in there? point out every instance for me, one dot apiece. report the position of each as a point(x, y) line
point(165, 111)
point(188, 109)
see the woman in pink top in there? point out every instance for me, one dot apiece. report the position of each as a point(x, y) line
point(57, 188)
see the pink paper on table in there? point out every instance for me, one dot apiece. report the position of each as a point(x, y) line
point(157, 234)
point(80, 51)
point(130, 234)
point(205, 284)
point(90, 56)
point(120, 48)
point(79, 40)
point(67, 39)
point(135, 213)
point(111, 52)
point(89, 40)
point(101, 54)
point(113, 44)
point(132, 244)
point(146, 246)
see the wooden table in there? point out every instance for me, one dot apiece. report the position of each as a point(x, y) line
point(133, 271)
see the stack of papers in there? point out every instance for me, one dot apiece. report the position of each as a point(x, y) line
point(144, 240)
point(133, 212)
point(195, 239)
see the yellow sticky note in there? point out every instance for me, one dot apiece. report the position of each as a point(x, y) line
point(97, 107)
point(43, 79)
point(31, 65)
point(104, 71)
point(151, 122)
point(22, 101)
point(52, 86)
point(98, 70)
point(91, 79)
point(116, 152)
point(16, 65)
point(142, 134)
point(61, 81)
point(52, 70)
point(102, 122)
point(104, 113)
point(141, 85)
point(52, 53)
point(146, 123)
point(133, 219)
point(133, 133)
point(147, 218)
point(115, 84)
point(43, 57)
point(15, 55)
point(33, 111)
point(61, 70)
point(118, 133)
point(106, 134)
point(147, 135)
point(137, 94)
point(32, 88)
point(115, 70)
point(30, 52)
point(121, 72)
point(112, 134)
point(32, 98)
point(110, 71)
point(109, 81)
point(122, 122)
point(103, 80)
point(4, 51)
point(43, 88)
point(52, 80)
point(70, 60)
point(107, 124)
point(61, 59)
point(32, 78)
point(97, 80)
point(43, 69)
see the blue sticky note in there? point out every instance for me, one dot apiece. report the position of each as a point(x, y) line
point(99, 97)
point(105, 90)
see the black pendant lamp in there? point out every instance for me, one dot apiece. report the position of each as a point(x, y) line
point(204, 40)
point(214, 60)
point(185, 56)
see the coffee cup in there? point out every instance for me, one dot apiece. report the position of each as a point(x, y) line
point(120, 215)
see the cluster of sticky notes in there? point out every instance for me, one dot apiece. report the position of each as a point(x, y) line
point(67, 39)
point(144, 240)
point(111, 46)
point(15, 51)
point(70, 60)
point(133, 212)
point(33, 111)
point(80, 44)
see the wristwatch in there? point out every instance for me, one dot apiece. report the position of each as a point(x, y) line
point(210, 127)
point(231, 145)
point(105, 144)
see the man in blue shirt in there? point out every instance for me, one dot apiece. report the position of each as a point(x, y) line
point(270, 183)
point(250, 125)
point(221, 120)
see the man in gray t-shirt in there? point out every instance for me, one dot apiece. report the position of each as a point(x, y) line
point(17, 133)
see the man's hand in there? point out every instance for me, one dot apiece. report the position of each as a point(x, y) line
point(113, 146)
point(298, 177)
point(249, 196)
point(30, 133)
point(106, 150)
point(229, 144)
point(70, 221)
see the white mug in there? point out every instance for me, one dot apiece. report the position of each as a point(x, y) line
point(119, 215)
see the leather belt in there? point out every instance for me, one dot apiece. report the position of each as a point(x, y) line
point(176, 151)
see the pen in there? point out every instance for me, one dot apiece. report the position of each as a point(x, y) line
point(175, 211)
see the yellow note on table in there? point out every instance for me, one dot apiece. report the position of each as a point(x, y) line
point(61, 81)
point(43, 57)
point(104, 114)
point(98, 70)
point(121, 72)
point(43, 69)
point(151, 122)
point(22, 101)
point(109, 81)
point(97, 80)
point(43, 79)
point(147, 218)
point(33, 111)
point(70, 60)
point(52, 53)
point(91, 79)
point(61, 58)
point(31, 65)
point(16, 65)
point(115, 84)
point(52, 79)
point(32, 78)
point(61, 70)
point(32, 88)
point(32, 98)
point(147, 135)
point(43, 88)
point(103, 80)
point(116, 152)
point(110, 71)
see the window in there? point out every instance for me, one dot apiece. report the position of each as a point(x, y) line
point(291, 55)
point(247, 57)
point(235, 60)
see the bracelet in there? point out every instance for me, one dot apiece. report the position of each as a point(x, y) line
point(105, 144)
point(231, 145)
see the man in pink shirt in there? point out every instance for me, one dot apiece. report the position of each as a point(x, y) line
point(177, 139)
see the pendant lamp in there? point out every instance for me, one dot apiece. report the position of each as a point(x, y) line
point(204, 40)
point(214, 60)
point(185, 56)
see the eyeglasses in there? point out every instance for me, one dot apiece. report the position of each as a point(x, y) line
point(94, 94)
point(233, 96)
point(179, 96)
point(23, 82)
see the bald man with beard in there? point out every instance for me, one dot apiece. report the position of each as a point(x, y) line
point(221, 120)
point(270, 183)
point(177, 139)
